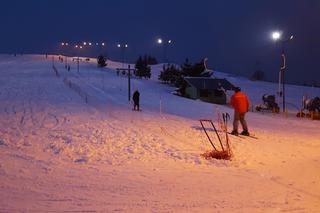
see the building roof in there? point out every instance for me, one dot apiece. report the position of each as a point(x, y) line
point(209, 83)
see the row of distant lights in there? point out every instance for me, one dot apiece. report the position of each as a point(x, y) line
point(275, 36)
point(84, 44)
point(91, 44)
point(159, 41)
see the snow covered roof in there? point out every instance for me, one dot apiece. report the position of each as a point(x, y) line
point(209, 83)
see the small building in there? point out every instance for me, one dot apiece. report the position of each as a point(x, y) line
point(211, 90)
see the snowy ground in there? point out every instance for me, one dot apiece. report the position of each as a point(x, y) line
point(59, 153)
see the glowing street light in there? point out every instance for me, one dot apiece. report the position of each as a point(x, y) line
point(277, 36)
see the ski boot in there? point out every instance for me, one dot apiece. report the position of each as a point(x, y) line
point(234, 132)
point(245, 133)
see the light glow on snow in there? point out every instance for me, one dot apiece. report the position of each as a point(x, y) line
point(72, 143)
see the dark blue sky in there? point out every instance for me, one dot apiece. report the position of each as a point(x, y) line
point(233, 34)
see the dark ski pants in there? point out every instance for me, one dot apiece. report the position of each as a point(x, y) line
point(239, 117)
point(136, 106)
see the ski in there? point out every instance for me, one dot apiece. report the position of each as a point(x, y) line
point(243, 136)
point(251, 136)
point(137, 110)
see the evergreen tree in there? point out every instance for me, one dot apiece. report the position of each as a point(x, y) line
point(188, 70)
point(258, 75)
point(101, 61)
point(169, 74)
point(192, 70)
point(152, 60)
point(142, 68)
point(186, 67)
point(139, 63)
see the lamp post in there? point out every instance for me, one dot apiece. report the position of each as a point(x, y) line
point(277, 36)
point(103, 49)
point(65, 45)
point(123, 47)
point(165, 44)
point(78, 47)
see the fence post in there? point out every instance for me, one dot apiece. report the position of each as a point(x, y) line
point(129, 83)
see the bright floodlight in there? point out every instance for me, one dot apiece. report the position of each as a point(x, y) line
point(76, 46)
point(90, 43)
point(170, 41)
point(119, 45)
point(67, 44)
point(159, 41)
point(276, 35)
point(84, 43)
point(62, 44)
point(103, 44)
point(80, 47)
point(126, 45)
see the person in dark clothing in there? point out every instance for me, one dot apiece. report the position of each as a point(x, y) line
point(136, 99)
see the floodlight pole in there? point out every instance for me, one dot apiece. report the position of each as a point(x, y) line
point(277, 36)
point(78, 60)
point(122, 49)
point(122, 55)
point(129, 78)
point(129, 82)
point(282, 70)
point(165, 44)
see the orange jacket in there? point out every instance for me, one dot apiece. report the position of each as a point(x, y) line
point(240, 102)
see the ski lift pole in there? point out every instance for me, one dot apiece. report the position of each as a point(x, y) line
point(283, 68)
point(129, 82)
point(78, 63)
point(124, 70)
point(160, 105)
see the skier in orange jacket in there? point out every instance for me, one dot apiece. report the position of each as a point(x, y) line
point(240, 103)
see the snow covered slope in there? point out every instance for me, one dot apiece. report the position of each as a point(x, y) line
point(73, 143)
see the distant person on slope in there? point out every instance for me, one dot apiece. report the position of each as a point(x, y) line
point(136, 99)
point(240, 103)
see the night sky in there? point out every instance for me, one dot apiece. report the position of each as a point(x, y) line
point(233, 34)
